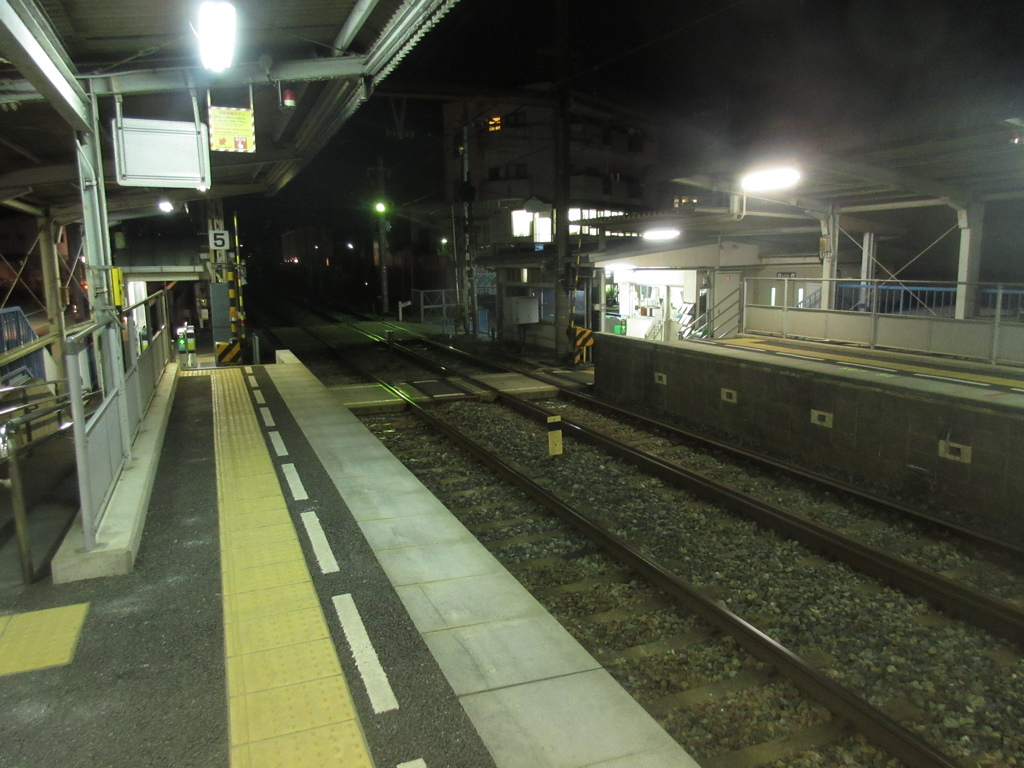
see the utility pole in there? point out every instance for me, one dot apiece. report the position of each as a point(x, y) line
point(381, 208)
point(467, 273)
point(563, 347)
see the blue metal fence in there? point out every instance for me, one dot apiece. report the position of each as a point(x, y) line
point(1009, 301)
point(931, 300)
point(16, 331)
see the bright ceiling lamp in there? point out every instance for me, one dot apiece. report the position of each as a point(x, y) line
point(166, 206)
point(770, 179)
point(216, 35)
point(661, 234)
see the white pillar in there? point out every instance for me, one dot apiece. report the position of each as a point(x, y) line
point(867, 270)
point(829, 251)
point(970, 220)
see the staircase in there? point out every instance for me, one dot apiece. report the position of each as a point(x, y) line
point(16, 331)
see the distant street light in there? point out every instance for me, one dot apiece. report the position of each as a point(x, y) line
point(380, 207)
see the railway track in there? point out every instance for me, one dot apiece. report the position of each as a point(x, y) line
point(710, 692)
point(889, 653)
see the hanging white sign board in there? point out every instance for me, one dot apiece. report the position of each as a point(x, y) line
point(161, 153)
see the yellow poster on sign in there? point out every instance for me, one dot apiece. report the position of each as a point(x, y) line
point(232, 130)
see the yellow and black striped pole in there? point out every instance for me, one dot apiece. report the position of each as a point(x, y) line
point(584, 339)
point(233, 300)
point(238, 283)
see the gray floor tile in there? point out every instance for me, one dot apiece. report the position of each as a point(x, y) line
point(568, 722)
point(435, 562)
point(377, 506)
point(498, 654)
point(414, 531)
point(460, 602)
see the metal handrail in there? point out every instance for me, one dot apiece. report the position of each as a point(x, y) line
point(13, 448)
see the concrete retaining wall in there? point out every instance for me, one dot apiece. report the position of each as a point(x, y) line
point(962, 459)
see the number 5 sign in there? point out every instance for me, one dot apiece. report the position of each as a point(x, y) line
point(219, 239)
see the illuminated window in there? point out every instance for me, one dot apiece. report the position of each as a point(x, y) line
point(522, 223)
point(542, 229)
point(494, 123)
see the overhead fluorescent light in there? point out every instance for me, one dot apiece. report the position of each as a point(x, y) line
point(216, 35)
point(661, 234)
point(770, 179)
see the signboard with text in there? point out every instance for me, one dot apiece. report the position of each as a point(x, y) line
point(232, 130)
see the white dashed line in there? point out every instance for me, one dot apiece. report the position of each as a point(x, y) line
point(871, 367)
point(253, 383)
point(421, 763)
point(258, 394)
point(279, 447)
point(955, 381)
point(318, 540)
point(800, 357)
point(1017, 389)
point(268, 417)
point(294, 483)
point(370, 670)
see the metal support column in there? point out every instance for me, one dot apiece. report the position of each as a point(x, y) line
point(867, 269)
point(829, 251)
point(81, 436)
point(970, 220)
point(51, 287)
point(98, 264)
point(18, 500)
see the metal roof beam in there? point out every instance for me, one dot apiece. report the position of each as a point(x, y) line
point(353, 24)
point(146, 200)
point(413, 20)
point(32, 46)
point(161, 81)
point(947, 193)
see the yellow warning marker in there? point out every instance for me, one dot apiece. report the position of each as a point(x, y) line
point(40, 639)
point(288, 700)
point(554, 435)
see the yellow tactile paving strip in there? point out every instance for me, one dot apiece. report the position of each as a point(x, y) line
point(288, 701)
point(893, 364)
point(40, 639)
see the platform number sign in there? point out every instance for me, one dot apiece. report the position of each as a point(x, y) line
point(219, 239)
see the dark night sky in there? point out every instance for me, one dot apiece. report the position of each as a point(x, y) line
point(770, 65)
point(743, 72)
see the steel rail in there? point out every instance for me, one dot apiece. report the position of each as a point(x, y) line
point(881, 729)
point(792, 469)
point(783, 466)
point(990, 613)
point(872, 722)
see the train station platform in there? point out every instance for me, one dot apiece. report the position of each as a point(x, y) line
point(299, 598)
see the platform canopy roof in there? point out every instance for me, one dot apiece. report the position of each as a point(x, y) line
point(143, 53)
